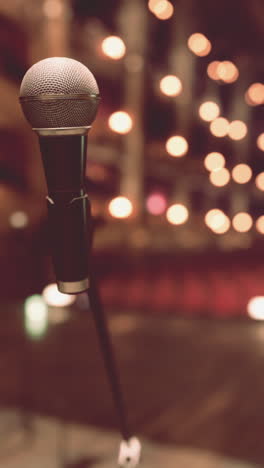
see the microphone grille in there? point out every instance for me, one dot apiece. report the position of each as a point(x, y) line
point(59, 92)
point(58, 75)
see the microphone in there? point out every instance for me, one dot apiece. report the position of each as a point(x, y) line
point(59, 97)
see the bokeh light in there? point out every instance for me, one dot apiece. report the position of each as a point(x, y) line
point(18, 219)
point(242, 222)
point(227, 71)
point(120, 122)
point(53, 9)
point(254, 96)
point(171, 85)
point(163, 10)
point(260, 142)
point(120, 207)
point(209, 111)
point(212, 70)
point(35, 316)
point(177, 146)
point(220, 178)
point(260, 181)
point(255, 308)
point(217, 221)
point(177, 214)
point(260, 224)
point(114, 47)
point(199, 44)
point(156, 203)
point(219, 127)
point(237, 130)
point(214, 161)
point(53, 297)
point(242, 173)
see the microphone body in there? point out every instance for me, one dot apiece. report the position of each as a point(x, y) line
point(64, 161)
point(59, 97)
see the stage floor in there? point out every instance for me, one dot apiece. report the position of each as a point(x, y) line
point(194, 385)
point(49, 443)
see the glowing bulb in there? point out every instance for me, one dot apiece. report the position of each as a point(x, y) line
point(171, 85)
point(212, 70)
point(114, 47)
point(260, 224)
point(217, 221)
point(199, 44)
point(237, 130)
point(209, 111)
point(260, 142)
point(214, 161)
point(255, 94)
point(120, 122)
point(220, 178)
point(18, 219)
point(242, 222)
point(53, 297)
point(227, 71)
point(177, 214)
point(260, 181)
point(177, 146)
point(163, 10)
point(255, 308)
point(156, 203)
point(120, 207)
point(219, 127)
point(242, 173)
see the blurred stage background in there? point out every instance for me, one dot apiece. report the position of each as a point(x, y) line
point(175, 175)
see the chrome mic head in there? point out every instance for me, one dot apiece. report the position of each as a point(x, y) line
point(59, 93)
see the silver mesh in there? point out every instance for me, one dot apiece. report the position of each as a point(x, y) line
point(62, 76)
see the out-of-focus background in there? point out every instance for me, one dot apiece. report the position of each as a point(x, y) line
point(175, 175)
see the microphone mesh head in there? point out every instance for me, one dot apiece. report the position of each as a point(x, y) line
point(59, 92)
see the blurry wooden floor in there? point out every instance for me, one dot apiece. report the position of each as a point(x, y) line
point(193, 384)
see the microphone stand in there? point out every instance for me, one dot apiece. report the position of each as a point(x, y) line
point(130, 447)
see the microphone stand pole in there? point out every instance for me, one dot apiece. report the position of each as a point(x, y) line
point(130, 447)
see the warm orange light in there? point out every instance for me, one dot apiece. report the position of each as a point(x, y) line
point(177, 214)
point(217, 221)
point(171, 85)
point(260, 181)
point(255, 94)
point(120, 122)
point(260, 142)
point(212, 70)
point(53, 9)
point(199, 44)
point(214, 161)
point(177, 146)
point(260, 224)
point(242, 173)
point(237, 130)
point(242, 222)
point(164, 10)
point(114, 47)
point(157, 5)
point(18, 219)
point(120, 207)
point(209, 111)
point(227, 71)
point(219, 127)
point(220, 178)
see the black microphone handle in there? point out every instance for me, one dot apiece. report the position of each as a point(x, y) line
point(64, 160)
